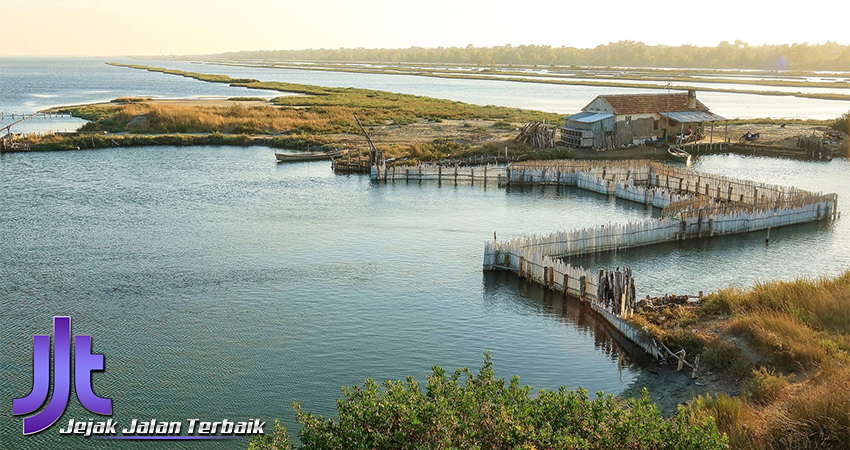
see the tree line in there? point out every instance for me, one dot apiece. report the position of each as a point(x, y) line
point(735, 55)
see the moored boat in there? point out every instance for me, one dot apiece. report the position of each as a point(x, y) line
point(308, 156)
point(678, 154)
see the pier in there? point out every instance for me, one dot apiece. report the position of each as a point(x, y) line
point(694, 206)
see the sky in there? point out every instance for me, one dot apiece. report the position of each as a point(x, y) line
point(183, 27)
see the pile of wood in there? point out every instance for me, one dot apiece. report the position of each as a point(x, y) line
point(616, 291)
point(667, 301)
point(537, 134)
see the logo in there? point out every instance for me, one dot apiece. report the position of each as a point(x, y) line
point(84, 364)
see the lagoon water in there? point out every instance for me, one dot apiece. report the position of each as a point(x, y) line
point(544, 97)
point(221, 285)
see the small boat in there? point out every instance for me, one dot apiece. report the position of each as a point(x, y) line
point(678, 154)
point(308, 156)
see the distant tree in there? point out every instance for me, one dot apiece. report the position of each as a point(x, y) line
point(741, 55)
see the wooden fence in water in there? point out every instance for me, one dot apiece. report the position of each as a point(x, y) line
point(490, 173)
point(695, 205)
point(610, 293)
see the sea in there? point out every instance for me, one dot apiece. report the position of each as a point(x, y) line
point(220, 285)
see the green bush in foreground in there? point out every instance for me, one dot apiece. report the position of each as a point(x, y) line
point(488, 413)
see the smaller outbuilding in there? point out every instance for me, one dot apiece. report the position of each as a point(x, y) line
point(612, 121)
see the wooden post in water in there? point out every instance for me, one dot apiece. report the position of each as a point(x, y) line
point(583, 289)
point(699, 223)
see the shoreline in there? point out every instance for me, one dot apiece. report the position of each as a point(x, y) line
point(549, 79)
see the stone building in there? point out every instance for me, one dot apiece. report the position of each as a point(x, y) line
point(614, 121)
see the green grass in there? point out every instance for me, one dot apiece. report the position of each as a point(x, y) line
point(372, 107)
point(99, 140)
point(247, 99)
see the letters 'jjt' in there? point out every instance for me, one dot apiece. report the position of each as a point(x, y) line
point(84, 364)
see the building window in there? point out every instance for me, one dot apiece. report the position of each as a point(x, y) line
point(628, 120)
point(656, 124)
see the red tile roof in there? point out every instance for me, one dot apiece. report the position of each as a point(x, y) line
point(649, 103)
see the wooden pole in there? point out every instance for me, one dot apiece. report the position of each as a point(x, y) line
point(373, 152)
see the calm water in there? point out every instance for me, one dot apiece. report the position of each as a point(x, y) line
point(33, 84)
point(221, 285)
point(544, 97)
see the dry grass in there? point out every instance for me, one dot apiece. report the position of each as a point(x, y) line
point(373, 107)
point(237, 119)
point(805, 416)
point(800, 327)
point(765, 386)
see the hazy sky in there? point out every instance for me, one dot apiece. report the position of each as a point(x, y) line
point(162, 27)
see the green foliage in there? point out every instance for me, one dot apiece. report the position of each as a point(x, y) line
point(89, 141)
point(727, 412)
point(278, 439)
point(129, 100)
point(466, 410)
point(842, 123)
point(765, 385)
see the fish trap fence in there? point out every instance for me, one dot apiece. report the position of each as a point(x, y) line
point(721, 187)
point(441, 173)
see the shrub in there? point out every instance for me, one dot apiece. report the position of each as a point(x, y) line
point(480, 411)
point(724, 355)
point(765, 386)
point(842, 123)
point(724, 411)
point(278, 439)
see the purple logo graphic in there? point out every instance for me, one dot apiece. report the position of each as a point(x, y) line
point(84, 364)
